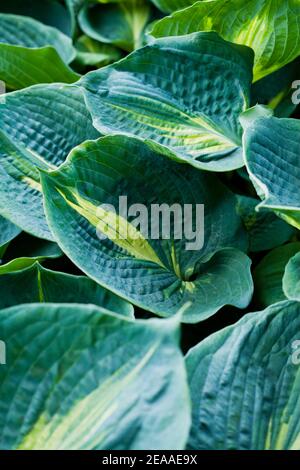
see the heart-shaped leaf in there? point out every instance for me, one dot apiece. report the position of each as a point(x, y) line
point(272, 153)
point(245, 383)
point(154, 265)
point(77, 378)
point(36, 284)
point(31, 53)
point(271, 28)
point(39, 126)
point(172, 92)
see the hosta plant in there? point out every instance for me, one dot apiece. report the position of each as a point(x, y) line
point(149, 204)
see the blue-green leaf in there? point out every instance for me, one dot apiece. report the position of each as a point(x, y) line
point(159, 272)
point(291, 278)
point(31, 53)
point(265, 229)
point(272, 154)
point(77, 378)
point(8, 232)
point(39, 126)
point(35, 284)
point(245, 384)
point(185, 93)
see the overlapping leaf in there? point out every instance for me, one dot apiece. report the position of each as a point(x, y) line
point(291, 278)
point(269, 273)
point(27, 32)
point(270, 27)
point(161, 275)
point(37, 284)
point(50, 12)
point(122, 23)
point(185, 93)
point(245, 384)
point(272, 154)
point(26, 256)
point(74, 7)
point(172, 5)
point(77, 378)
point(265, 229)
point(90, 52)
point(8, 232)
point(277, 90)
point(32, 53)
point(39, 126)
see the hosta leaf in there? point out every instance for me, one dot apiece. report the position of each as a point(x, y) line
point(172, 5)
point(272, 153)
point(23, 257)
point(50, 12)
point(268, 274)
point(27, 32)
point(121, 24)
point(270, 27)
point(245, 384)
point(161, 275)
point(172, 92)
point(31, 53)
point(91, 52)
point(291, 278)
point(49, 120)
point(22, 67)
point(74, 7)
point(39, 126)
point(37, 284)
point(265, 229)
point(77, 378)
point(8, 232)
point(31, 247)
